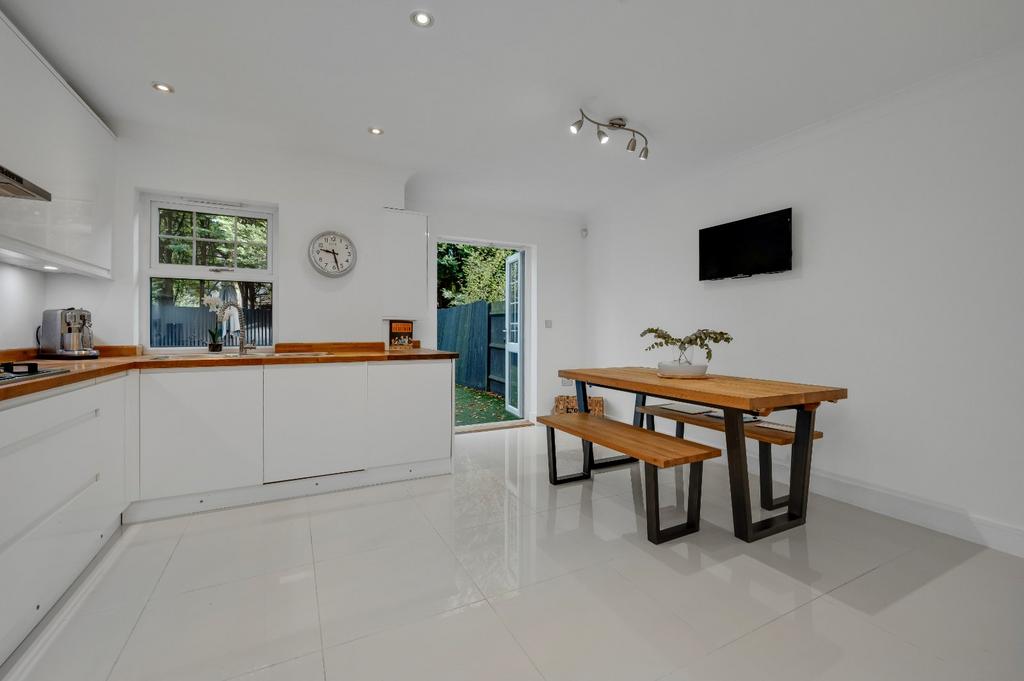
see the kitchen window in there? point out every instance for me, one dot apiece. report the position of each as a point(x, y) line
point(203, 248)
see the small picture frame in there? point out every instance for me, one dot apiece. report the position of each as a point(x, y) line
point(400, 334)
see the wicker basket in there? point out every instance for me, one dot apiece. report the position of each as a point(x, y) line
point(566, 404)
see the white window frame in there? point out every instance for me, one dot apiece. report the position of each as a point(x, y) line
point(149, 207)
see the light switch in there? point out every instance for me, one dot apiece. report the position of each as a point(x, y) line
point(547, 323)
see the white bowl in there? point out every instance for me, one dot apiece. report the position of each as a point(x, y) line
point(681, 370)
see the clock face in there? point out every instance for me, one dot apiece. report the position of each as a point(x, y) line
point(332, 254)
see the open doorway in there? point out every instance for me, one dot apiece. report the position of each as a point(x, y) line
point(480, 315)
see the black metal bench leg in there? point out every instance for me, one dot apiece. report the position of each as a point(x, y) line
point(588, 447)
point(655, 533)
point(553, 464)
point(768, 502)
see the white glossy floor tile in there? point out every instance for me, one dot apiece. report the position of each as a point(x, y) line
point(354, 498)
point(223, 631)
point(128, 573)
point(83, 647)
point(305, 668)
point(957, 600)
point(593, 624)
point(240, 544)
point(374, 590)
point(363, 528)
point(820, 641)
point(463, 645)
point(472, 498)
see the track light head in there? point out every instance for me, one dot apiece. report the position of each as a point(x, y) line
point(643, 154)
point(631, 144)
point(602, 136)
point(576, 127)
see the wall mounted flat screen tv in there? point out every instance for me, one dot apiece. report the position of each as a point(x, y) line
point(756, 245)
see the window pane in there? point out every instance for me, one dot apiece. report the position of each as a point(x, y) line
point(252, 256)
point(214, 254)
point(175, 222)
point(252, 230)
point(175, 251)
point(179, 319)
point(221, 227)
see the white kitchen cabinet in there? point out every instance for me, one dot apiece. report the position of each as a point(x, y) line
point(409, 411)
point(314, 420)
point(51, 138)
point(61, 494)
point(200, 430)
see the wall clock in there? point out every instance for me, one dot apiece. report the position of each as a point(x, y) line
point(332, 254)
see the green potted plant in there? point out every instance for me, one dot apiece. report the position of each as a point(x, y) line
point(216, 343)
point(682, 367)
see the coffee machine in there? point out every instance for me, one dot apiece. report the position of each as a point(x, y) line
point(66, 334)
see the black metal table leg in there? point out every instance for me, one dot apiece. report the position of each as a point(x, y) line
point(553, 464)
point(799, 486)
point(768, 502)
point(588, 447)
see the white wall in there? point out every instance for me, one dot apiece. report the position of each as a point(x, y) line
point(21, 306)
point(906, 289)
point(555, 264)
point(312, 194)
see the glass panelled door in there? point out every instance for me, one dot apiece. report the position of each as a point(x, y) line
point(513, 333)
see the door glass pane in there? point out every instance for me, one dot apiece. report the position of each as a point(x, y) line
point(175, 222)
point(512, 387)
point(220, 227)
point(215, 254)
point(175, 251)
point(178, 317)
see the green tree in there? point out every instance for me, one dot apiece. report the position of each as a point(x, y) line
point(467, 274)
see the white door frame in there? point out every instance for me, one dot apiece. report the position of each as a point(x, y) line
point(514, 346)
point(528, 329)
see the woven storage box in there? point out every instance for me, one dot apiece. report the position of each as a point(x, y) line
point(566, 404)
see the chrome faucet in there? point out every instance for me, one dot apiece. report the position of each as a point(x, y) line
point(242, 345)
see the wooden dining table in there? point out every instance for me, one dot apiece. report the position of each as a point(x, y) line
point(735, 396)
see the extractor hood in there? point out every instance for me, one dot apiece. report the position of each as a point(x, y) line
point(15, 186)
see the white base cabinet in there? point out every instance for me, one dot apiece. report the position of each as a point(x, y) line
point(314, 420)
point(409, 411)
point(200, 430)
point(63, 489)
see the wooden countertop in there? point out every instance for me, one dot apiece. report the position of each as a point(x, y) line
point(747, 394)
point(118, 361)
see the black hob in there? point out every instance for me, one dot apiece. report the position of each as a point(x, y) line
point(24, 371)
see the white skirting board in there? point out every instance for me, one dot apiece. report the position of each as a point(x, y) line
point(939, 517)
point(156, 509)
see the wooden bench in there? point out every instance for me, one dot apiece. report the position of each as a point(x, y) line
point(656, 450)
point(766, 437)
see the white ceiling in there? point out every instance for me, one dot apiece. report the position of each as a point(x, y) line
point(477, 107)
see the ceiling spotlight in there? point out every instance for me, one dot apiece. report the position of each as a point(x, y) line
point(165, 88)
point(375, 131)
point(50, 268)
point(614, 124)
point(421, 19)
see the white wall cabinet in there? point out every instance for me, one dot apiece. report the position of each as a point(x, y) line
point(314, 420)
point(409, 411)
point(62, 490)
point(50, 137)
point(200, 430)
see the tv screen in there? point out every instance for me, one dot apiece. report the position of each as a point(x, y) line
point(743, 248)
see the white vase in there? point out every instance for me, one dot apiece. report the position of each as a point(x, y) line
point(677, 369)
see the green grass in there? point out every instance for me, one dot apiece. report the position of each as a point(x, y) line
point(476, 406)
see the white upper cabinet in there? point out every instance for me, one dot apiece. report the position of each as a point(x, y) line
point(51, 138)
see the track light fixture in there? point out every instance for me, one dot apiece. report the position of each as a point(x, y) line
point(612, 124)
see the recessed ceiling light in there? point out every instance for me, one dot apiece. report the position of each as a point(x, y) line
point(165, 88)
point(421, 19)
point(375, 131)
point(50, 268)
